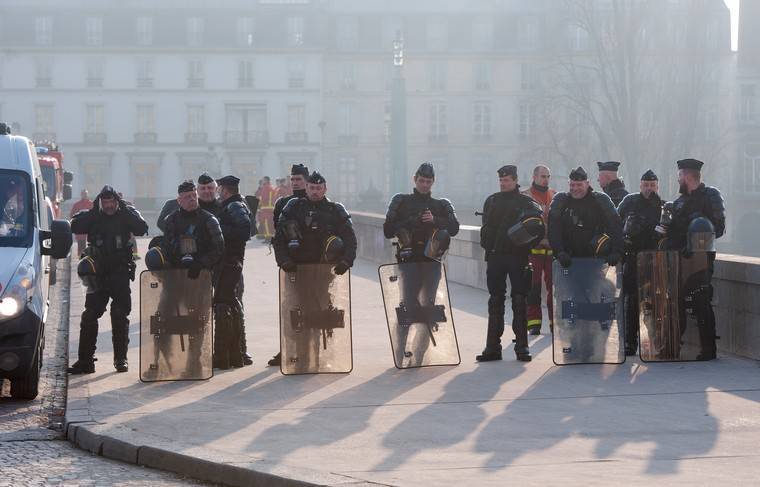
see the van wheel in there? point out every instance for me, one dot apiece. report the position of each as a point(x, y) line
point(27, 387)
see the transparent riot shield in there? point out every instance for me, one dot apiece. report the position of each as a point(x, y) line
point(672, 291)
point(418, 311)
point(176, 330)
point(588, 311)
point(315, 321)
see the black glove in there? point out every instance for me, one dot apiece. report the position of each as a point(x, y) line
point(613, 258)
point(194, 270)
point(564, 259)
point(341, 267)
point(288, 266)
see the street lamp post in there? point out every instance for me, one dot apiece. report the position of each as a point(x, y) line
point(398, 156)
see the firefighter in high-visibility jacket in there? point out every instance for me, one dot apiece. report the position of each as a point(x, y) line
point(540, 255)
point(267, 196)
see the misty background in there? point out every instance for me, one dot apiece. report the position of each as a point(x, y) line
point(144, 94)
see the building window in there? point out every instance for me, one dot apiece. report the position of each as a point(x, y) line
point(348, 76)
point(481, 124)
point(347, 178)
point(44, 72)
point(748, 111)
point(527, 120)
point(196, 119)
point(482, 34)
point(482, 74)
point(295, 31)
point(245, 31)
point(43, 31)
point(145, 73)
point(527, 33)
point(438, 123)
point(95, 123)
point(577, 37)
point(43, 119)
point(528, 76)
point(437, 35)
point(751, 171)
point(296, 124)
point(246, 124)
point(146, 121)
point(296, 73)
point(195, 73)
point(195, 30)
point(95, 73)
point(144, 31)
point(347, 123)
point(245, 73)
point(437, 73)
point(94, 29)
point(144, 181)
point(347, 37)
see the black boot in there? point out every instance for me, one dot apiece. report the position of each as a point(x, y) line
point(520, 327)
point(82, 367)
point(121, 365)
point(488, 356)
point(275, 361)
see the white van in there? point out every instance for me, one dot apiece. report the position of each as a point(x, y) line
point(28, 239)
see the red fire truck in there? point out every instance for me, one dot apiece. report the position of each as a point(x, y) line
point(57, 181)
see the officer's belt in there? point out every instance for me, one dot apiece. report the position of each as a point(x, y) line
point(541, 251)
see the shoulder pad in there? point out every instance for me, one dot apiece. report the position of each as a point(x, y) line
point(603, 199)
point(560, 200)
point(291, 205)
point(447, 204)
point(396, 201)
point(341, 211)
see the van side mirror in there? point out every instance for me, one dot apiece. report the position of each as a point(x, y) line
point(66, 192)
point(68, 177)
point(60, 239)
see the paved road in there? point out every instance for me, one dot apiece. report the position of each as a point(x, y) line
point(33, 451)
point(484, 424)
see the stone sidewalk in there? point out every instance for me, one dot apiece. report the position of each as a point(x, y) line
point(490, 424)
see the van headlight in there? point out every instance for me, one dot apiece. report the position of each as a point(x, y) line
point(17, 294)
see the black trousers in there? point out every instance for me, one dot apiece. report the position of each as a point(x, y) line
point(229, 315)
point(631, 300)
point(112, 287)
point(501, 267)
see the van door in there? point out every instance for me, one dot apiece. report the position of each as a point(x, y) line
point(43, 221)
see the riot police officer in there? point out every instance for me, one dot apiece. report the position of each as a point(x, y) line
point(697, 203)
point(640, 214)
point(313, 230)
point(108, 266)
point(584, 223)
point(298, 175)
point(420, 221)
point(235, 221)
point(206, 199)
point(610, 183)
point(512, 222)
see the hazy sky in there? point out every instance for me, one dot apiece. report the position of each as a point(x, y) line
point(734, 6)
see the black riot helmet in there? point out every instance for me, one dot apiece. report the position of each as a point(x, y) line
point(87, 270)
point(700, 235)
point(155, 259)
point(601, 245)
point(529, 229)
point(333, 249)
point(437, 245)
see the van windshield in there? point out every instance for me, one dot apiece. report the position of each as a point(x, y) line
point(15, 209)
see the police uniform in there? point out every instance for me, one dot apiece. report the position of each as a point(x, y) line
point(706, 202)
point(640, 216)
point(615, 189)
point(109, 256)
point(235, 222)
point(403, 221)
point(295, 170)
point(507, 258)
point(584, 227)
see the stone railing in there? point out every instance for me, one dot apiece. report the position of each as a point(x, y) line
point(736, 280)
